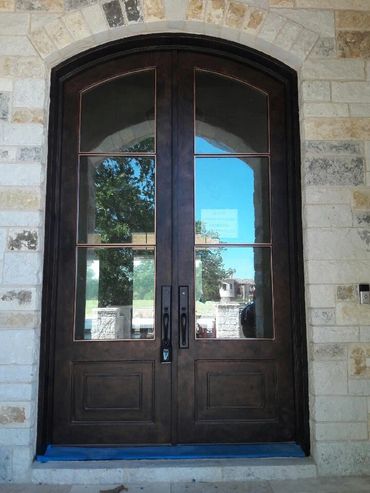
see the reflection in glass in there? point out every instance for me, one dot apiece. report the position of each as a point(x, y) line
point(232, 200)
point(118, 115)
point(116, 200)
point(231, 117)
point(115, 294)
point(233, 293)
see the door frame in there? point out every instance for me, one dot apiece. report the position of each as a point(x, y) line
point(200, 44)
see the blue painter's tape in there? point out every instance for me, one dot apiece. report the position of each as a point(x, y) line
point(214, 451)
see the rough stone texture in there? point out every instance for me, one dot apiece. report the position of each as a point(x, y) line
point(195, 10)
point(321, 21)
point(21, 67)
point(351, 20)
point(19, 199)
point(235, 15)
point(316, 90)
point(49, 5)
point(359, 361)
point(76, 25)
point(336, 128)
point(153, 10)
point(5, 464)
point(59, 33)
point(323, 352)
point(352, 92)
point(12, 415)
point(334, 171)
point(42, 42)
point(133, 11)
point(4, 106)
point(27, 116)
point(361, 199)
point(353, 44)
point(14, 299)
point(95, 19)
point(113, 13)
point(324, 48)
point(22, 240)
point(347, 293)
point(334, 69)
point(215, 11)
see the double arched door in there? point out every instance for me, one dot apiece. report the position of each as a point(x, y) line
point(172, 294)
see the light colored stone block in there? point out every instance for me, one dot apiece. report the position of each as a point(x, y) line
point(322, 316)
point(358, 109)
point(347, 292)
point(342, 458)
point(329, 378)
point(352, 313)
point(21, 134)
point(334, 70)
point(335, 334)
point(25, 115)
point(7, 154)
point(325, 109)
point(16, 436)
point(42, 42)
point(40, 19)
point(5, 458)
point(20, 218)
point(16, 45)
point(351, 19)
point(22, 67)
point(13, 392)
point(19, 320)
point(7, 5)
point(319, 21)
point(17, 299)
point(14, 24)
point(325, 216)
point(340, 409)
point(336, 431)
point(59, 33)
point(215, 11)
point(304, 44)
point(337, 271)
point(321, 296)
point(324, 48)
point(22, 240)
point(76, 25)
point(359, 361)
point(287, 36)
point(334, 170)
point(235, 14)
point(14, 415)
point(353, 44)
point(361, 199)
point(282, 3)
point(329, 352)
point(365, 334)
point(316, 90)
point(253, 21)
point(19, 199)
point(20, 174)
point(359, 387)
point(95, 18)
point(334, 4)
point(22, 268)
point(351, 92)
point(196, 10)
point(341, 243)
point(333, 148)
point(18, 373)
point(336, 128)
point(271, 27)
point(18, 347)
point(153, 10)
point(327, 195)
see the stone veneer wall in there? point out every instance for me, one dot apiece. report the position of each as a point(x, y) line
point(328, 43)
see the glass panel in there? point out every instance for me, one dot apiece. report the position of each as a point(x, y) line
point(115, 294)
point(232, 200)
point(118, 116)
point(116, 200)
point(233, 293)
point(231, 117)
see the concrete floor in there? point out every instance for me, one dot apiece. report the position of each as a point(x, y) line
point(322, 485)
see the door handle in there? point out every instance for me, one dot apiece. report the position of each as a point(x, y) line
point(184, 317)
point(166, 348)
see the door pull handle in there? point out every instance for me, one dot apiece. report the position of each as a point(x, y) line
point(184, 317)
point(166, 348)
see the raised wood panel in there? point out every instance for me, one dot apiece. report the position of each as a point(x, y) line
point(117, 391)
point(235, 390)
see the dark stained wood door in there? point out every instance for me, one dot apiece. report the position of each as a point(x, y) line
point(173, 308)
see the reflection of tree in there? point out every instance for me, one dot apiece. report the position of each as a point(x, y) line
point(212, 272)
point(124, 194)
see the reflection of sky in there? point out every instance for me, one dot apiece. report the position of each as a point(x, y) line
point(227, 183)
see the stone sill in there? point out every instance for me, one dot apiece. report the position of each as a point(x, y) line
point(166, 471)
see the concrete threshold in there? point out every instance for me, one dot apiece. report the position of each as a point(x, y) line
point(167, 471)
